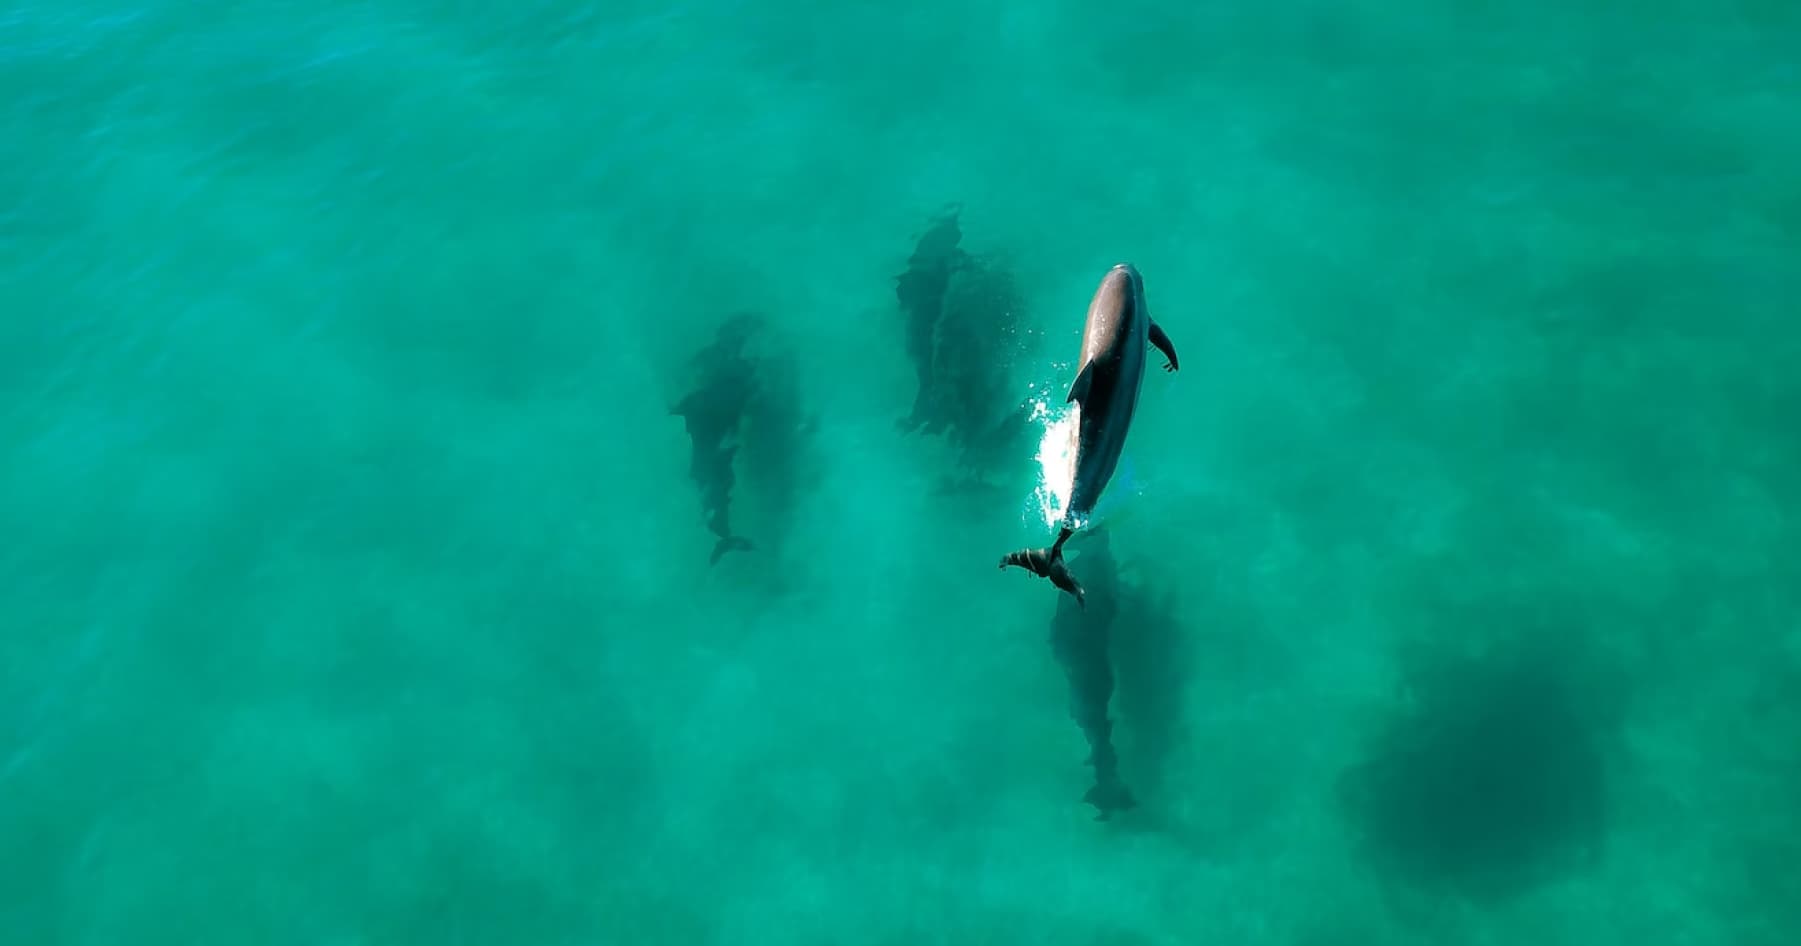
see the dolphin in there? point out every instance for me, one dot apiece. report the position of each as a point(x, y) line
point(713, 412)
point(1109, 375)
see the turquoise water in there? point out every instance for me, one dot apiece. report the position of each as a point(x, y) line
point(356, 591)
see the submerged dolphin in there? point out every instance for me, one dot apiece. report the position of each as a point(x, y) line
point(920, 291)
point(713, 413)
point(1109, 375)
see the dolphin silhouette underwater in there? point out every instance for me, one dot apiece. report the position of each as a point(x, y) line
point(1081, 639)
point(1109, 375)
point(713, 413)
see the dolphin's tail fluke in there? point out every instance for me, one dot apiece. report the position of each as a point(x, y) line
point(1049, 563)
point(728, 544)
point(1108, 796)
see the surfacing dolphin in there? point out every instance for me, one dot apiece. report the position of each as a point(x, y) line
point(1109, 375)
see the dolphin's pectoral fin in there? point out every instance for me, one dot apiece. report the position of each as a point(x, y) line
point(1078, 391)
point(1163, 345)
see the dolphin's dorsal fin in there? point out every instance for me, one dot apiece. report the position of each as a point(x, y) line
point(1078, 391)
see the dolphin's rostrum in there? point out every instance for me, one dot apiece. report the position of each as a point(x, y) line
point(1109, 375)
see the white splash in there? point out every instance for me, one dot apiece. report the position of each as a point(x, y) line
point(1056, 457)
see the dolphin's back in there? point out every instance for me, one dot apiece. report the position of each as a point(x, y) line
point(1109, 318)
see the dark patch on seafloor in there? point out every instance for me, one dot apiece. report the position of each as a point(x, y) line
point(1489, 781)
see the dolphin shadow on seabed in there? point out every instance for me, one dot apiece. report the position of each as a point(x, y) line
point(1123, 655)
point(1151, 650)
point(1081, 639)
point(743, 416)
point(964, 314)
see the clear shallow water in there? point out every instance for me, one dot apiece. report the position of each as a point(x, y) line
point(356, 593)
